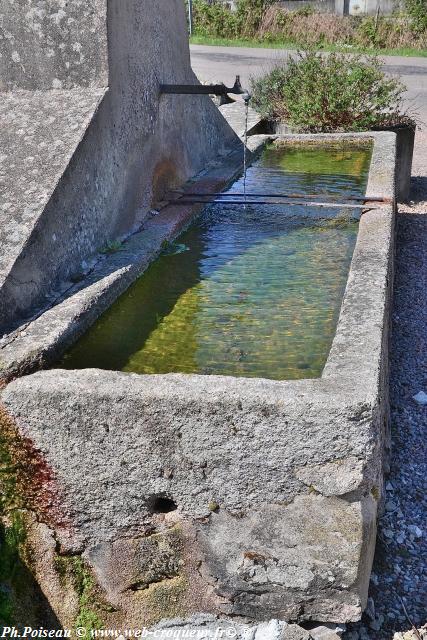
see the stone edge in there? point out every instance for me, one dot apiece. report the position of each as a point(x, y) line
point(42, 340)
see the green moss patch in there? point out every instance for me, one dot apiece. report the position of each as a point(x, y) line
point(72, 569)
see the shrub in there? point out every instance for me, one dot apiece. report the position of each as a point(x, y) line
point(267, 93)
point(250, 14)
point(417, 12)
point(393, 32)
point(316, 93)
point(368, 33)
point(214, 20)
point(305, 28)
point(265, 20)
point(217, 20)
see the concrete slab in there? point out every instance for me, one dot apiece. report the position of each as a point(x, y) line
point(236, 117)
point(39, 133)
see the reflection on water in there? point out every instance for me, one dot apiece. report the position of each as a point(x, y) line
point(252, 291)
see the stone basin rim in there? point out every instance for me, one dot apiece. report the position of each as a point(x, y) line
point(40, 342)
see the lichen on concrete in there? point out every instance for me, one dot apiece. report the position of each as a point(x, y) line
point(44, 47)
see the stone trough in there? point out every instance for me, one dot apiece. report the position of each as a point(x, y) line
point(184, 493)
point(138, 498)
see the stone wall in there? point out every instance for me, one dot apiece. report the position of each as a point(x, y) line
point(88, 143)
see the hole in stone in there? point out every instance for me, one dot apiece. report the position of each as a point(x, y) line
point(161, 504)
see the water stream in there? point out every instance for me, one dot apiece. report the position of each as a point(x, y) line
point(245, 148)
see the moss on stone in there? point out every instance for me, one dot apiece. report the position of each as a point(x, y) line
point(12, 529)
point(73, 568)
point(6, 606)
point(349, 143)
point(11, 582)
point(166, 599)
point(61, 566)
point(22, 602)
point(375, 492)
point(9, 496)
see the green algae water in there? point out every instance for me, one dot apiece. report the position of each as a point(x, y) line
point(249, 291)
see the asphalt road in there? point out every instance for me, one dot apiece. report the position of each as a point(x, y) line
point(215, 64)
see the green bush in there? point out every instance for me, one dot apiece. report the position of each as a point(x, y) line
point(368, 33)
point(388, 32)
point(250, 14)
point(216, 20)
point(316, 93)
point(267, 93)
point(417, 12)
point(266, 21)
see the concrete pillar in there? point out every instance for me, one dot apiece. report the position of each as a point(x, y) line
point(89, 134)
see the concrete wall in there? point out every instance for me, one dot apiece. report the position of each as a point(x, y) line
point(323, 6)
point(340, 7)
point(344, 7)
point(106, 161)
point(370, 7)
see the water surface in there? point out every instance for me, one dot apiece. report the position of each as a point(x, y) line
point(252, 292)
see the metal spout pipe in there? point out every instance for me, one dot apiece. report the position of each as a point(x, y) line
point(203, 89)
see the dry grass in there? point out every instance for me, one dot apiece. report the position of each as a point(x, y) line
point(312, 29)
point(306, 28)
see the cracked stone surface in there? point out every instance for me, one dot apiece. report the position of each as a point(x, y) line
point(275, 547)
point(208, 627)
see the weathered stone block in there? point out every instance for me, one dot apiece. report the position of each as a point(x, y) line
point(273, 546)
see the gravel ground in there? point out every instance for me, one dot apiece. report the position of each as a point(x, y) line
point(399, 578)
